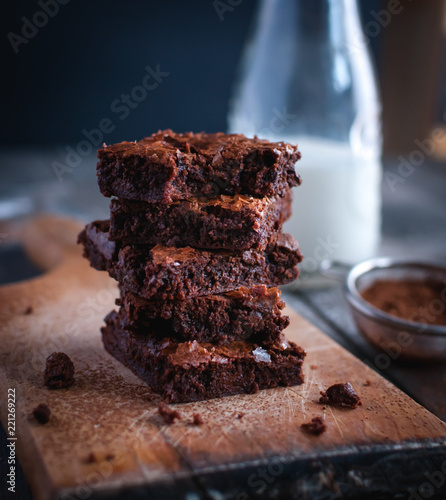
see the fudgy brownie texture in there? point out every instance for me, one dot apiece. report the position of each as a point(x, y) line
point(342, 395)
point(59, 371)
point(167, 273)
point(193, 371)
point(246, 313)
point(98, 249)
point(167, 166)
point(226, 222)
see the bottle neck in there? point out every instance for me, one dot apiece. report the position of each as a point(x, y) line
point(307, 72)
point(314, 21)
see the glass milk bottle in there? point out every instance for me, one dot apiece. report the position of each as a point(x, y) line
point(307, 78)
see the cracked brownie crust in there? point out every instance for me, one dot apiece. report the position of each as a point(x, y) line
point(167, 166)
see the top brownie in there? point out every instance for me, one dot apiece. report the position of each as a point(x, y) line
point(166, 167)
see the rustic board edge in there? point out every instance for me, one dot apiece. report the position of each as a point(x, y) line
point(355, 472)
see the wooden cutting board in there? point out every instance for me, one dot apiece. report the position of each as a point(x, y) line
point(249, 446)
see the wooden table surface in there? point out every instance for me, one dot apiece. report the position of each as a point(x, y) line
point(414, 225)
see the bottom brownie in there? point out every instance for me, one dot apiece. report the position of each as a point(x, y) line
point(191, 371)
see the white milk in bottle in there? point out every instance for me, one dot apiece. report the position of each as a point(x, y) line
point(307, 78)
point(336, 209)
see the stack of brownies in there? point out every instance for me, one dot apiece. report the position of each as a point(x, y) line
point(195, 242)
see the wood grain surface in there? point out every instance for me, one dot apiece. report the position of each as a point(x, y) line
point(249, 446)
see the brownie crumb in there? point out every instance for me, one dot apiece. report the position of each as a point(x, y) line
point(342, 395)
point(42, 413)
point(240, 416)
point(197, 420)
point(168, 415)
point(59, 371)
point(316, 426)
point(367, 383)
point(28, 310)
point(313, 367)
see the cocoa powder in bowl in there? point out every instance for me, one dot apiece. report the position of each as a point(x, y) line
point(421, 301)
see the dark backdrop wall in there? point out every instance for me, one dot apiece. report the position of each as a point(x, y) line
point(74, 70)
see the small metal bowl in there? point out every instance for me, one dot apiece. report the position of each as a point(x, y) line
point(399, 338)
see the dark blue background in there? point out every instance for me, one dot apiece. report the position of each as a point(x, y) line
point(66, 77)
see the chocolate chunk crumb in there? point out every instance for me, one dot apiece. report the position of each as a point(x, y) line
point(240, 416)
point(59, 371)
point(28, 310)
point(197, 420)
point(91, 459)
point(42, 413)
point(342, 395)
point(316, 426)
point(168, 415)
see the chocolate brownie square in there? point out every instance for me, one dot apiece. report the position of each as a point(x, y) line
point(167, 166)
point(168, 273)
point(225, 222)
point(192, 371)
point(247, 313)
